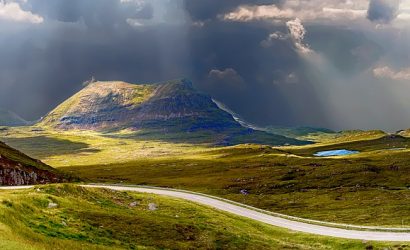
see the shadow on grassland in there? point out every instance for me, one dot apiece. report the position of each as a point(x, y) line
point(44, 146)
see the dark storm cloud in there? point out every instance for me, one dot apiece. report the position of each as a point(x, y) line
point(104, 13)
point(280, 87)
point(383, 11)
point(349, 50)
point(226, 77)
point(259, 76)
point(252, 80)
point(45, 64)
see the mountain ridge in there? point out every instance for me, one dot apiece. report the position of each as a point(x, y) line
point(169, 108)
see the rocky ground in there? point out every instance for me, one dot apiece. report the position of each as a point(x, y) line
point(19, 169)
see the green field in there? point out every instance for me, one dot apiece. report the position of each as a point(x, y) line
point(102, 219)
point(331, 190)
point(370, 188)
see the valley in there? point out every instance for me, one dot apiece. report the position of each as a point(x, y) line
point(209, 125)
point(372, 185)
point(118, 133)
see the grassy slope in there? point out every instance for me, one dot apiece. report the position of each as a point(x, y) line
point(102, 219)
point(343, 136)
point(124, 95)
point(373, 185)
point(298, 132)
point(374, 191)
point(18, 156)
point(405, 132)
point(387, 142)
point(81, 147)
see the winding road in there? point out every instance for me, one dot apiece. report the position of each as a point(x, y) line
point(260, 215)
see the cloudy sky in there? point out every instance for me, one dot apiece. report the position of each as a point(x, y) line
point(328, 63)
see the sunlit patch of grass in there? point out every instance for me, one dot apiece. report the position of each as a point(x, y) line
point(370, 188)
point(66, 148)
point(104, 219)
point(343, 136)
point(386, 144)
point(363, 191)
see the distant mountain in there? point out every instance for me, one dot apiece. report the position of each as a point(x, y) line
point(296, 132)
point(8, 118)
point(328, 136)
point(17, 168)
point(292, 132)
point(405, 133)
point(173, 110)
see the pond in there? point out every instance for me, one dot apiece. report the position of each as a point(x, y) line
point(338, 152)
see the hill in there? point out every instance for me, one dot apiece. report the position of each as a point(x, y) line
point(17, 168)
point(10, 119)
point(405, 133)
point(173, 110)
point(344, 136)
point(297, 132)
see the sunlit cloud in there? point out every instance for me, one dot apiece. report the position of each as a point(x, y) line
point(134, 22)
point(274, 37)
point(351, 14)
point(136, 2)
point(381, 12)
point(385, 72)
point(227, 76)
point(404, 11)
point(250, 13)
point(304, 10)
point(11, 11)
point(297, 33)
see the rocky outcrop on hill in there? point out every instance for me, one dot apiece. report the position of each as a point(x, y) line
point(18, 169)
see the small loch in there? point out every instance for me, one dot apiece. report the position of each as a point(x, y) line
point(338, 152)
